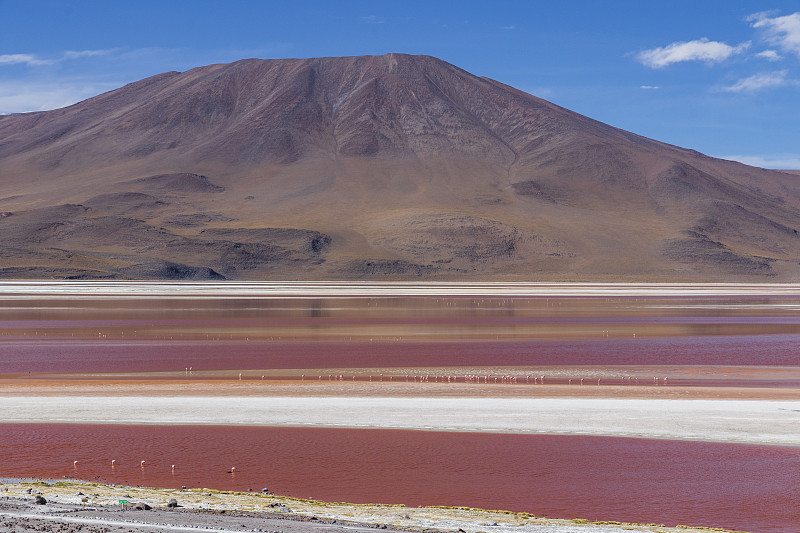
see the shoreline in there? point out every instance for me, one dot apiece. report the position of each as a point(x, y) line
point(224, 384)
point(733, 421)
point(312, 289)
point(206, 510)
point(718, 414)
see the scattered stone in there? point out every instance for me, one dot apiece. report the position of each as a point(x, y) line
point(39, 500)
point(172, 503)
point(141, 506)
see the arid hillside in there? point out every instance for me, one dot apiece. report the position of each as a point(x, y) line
point(373, 167)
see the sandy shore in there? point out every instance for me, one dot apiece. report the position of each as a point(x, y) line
point(712, 415)
point(214, 511)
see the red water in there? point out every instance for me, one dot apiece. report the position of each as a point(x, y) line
point(142, 356)
point(745, 487)
point(116, 334)
point(754, 488)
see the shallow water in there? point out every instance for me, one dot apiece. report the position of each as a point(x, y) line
point(72, 330)
point(71, 333)
point(744, 487)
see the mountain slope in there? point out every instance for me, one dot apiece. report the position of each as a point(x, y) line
point(374, 166)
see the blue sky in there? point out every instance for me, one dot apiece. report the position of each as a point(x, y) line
point(718, 76)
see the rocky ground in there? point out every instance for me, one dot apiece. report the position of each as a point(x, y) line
point(92, 508)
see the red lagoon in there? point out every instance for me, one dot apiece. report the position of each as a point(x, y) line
point(132, 334)
point(736, 486)
point(46, 356)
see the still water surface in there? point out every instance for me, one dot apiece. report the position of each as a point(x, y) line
point(752, 488)
point(139, 334)
point(743, 487)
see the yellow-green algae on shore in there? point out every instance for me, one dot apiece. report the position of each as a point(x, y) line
point(440, 518)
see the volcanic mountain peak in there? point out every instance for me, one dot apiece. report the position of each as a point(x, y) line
point(372, 166)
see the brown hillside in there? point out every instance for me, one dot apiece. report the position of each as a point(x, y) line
point(390, 166)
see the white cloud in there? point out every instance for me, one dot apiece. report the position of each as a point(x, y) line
point(649, 87)
point(373, 19)
point(765, 80)
point(783, 32)
point(22, 59)
point(73, 54)
point(698, 50)
point(769, 55)
point(508, 28)
point(34, 60)
point(21, 97)
point(779, 161)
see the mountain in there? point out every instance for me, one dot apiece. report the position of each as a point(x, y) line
point(372, 167)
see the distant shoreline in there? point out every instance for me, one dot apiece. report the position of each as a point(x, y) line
point(300, 289)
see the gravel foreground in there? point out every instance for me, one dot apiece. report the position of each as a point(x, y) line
point(94, 508)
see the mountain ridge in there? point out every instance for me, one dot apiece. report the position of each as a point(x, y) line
point(404, 166)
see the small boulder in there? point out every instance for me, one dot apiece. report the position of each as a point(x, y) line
point(172, 503)
point(39, 500)
point(141, 506)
